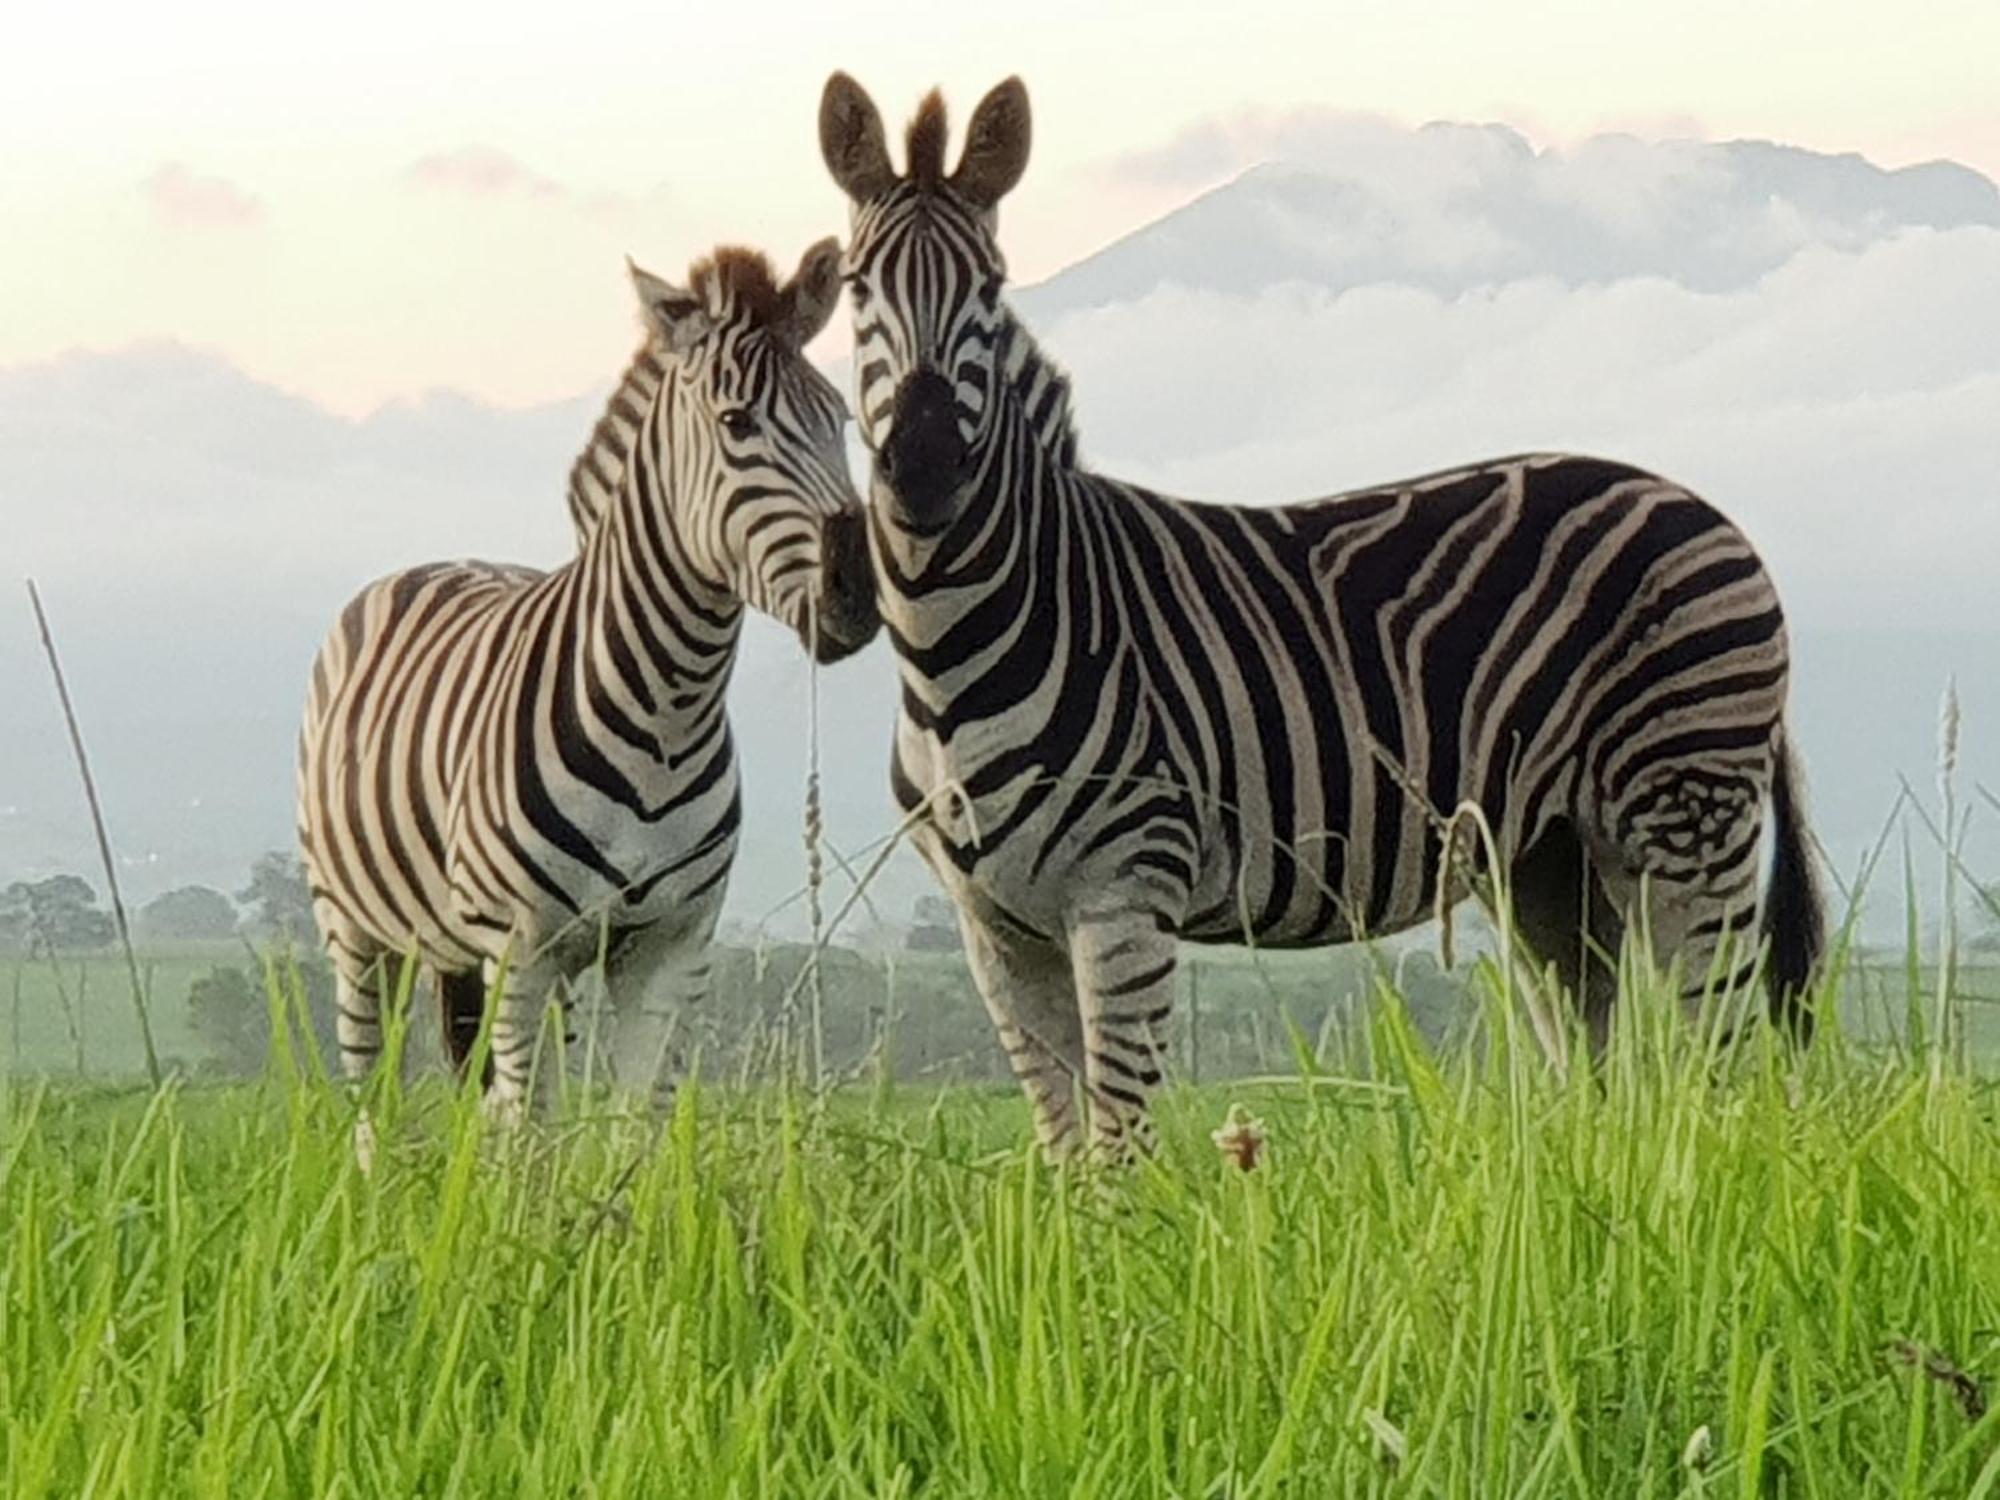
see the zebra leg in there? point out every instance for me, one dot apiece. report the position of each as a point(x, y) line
point(1031, 996)
point(358, 986)
point(1692, 844)
point(520, 1071)
point(1567, 919)
point(647, 1018)
point(1125, 961)
point(461, 1008)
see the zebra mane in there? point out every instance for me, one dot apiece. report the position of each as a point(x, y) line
point(734, 277)
point(595, 476)
point(923, 144)
point(1043, 389)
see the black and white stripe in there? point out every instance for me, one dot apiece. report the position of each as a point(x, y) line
point(599, 470)
point(504, 765)
point(1135, 719)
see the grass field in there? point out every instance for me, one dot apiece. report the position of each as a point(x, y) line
point(1451, 1274)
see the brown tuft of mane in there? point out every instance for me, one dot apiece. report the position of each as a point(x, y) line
point(744, 279)
point(924, 144)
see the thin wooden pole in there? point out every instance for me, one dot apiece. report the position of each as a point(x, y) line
point(103, 839)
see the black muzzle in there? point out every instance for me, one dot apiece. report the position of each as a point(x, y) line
point(924, 459)
point(848, 613)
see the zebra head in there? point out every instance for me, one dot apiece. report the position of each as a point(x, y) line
point(925, 273)
point(745, 440)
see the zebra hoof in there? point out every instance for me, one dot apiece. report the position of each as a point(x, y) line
point(364, 1145)
point(507, 1111)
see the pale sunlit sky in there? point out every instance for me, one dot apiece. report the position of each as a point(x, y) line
point(365, 201)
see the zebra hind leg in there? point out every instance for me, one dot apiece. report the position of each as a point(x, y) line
point(1689, 883)
point(461, 1008)
point(1567, 919)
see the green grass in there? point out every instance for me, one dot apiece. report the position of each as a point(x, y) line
point(1455, 1275)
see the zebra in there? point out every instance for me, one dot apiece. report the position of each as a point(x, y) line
point(595, 476)
point(501, 769)
point(1128, 720)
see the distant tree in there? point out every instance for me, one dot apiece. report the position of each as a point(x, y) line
point(278, 900)
point(229, 1009)
point(231, 1017)
point(57, 915)
point(933, 927)
point(189, 913)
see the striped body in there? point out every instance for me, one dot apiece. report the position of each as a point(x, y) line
point(506, 767)
point(1129, 719)
point(1273, 708)
point(478, 780)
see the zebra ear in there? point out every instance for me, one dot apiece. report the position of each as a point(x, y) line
point(677, 318)
point(996, 145)
point(810, 296)
point(851, 139)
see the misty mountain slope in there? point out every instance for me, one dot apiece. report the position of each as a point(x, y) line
point(1450, 208)
point(1809, 341)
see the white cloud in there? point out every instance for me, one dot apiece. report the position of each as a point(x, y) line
point(482, 171)
point(188, 199)
point(1843, 407)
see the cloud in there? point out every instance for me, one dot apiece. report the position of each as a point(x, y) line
point(189, 199)
point(482, 172)
point(1342, 201)
point(1841, 407)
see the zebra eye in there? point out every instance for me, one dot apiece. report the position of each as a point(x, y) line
point(738, 422)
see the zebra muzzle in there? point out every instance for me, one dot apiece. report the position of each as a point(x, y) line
point(924, 459)
point(848, 615)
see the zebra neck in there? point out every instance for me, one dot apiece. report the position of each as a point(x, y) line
point(653, 623)
point(1038, 388)
point(599, 470)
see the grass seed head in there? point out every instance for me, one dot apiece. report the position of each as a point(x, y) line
point(1241, 1138)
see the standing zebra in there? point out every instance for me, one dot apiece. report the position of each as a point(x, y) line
point(1132, 719)
point(504, 766)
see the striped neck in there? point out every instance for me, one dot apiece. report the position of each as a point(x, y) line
point(599, 470)
point(655, 624)
point(1040, 388)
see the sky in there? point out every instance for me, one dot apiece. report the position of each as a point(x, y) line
point(364, 202)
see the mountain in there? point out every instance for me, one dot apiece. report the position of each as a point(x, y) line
point(1450, 208)
point(1809, 340)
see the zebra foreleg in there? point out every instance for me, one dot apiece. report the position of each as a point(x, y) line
point(357, 1027)
point(1031, 996)
point(520, 1072)
point(650, 1012)
point(1124, 961)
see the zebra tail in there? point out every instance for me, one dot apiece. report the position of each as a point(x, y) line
point(1794, 911)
